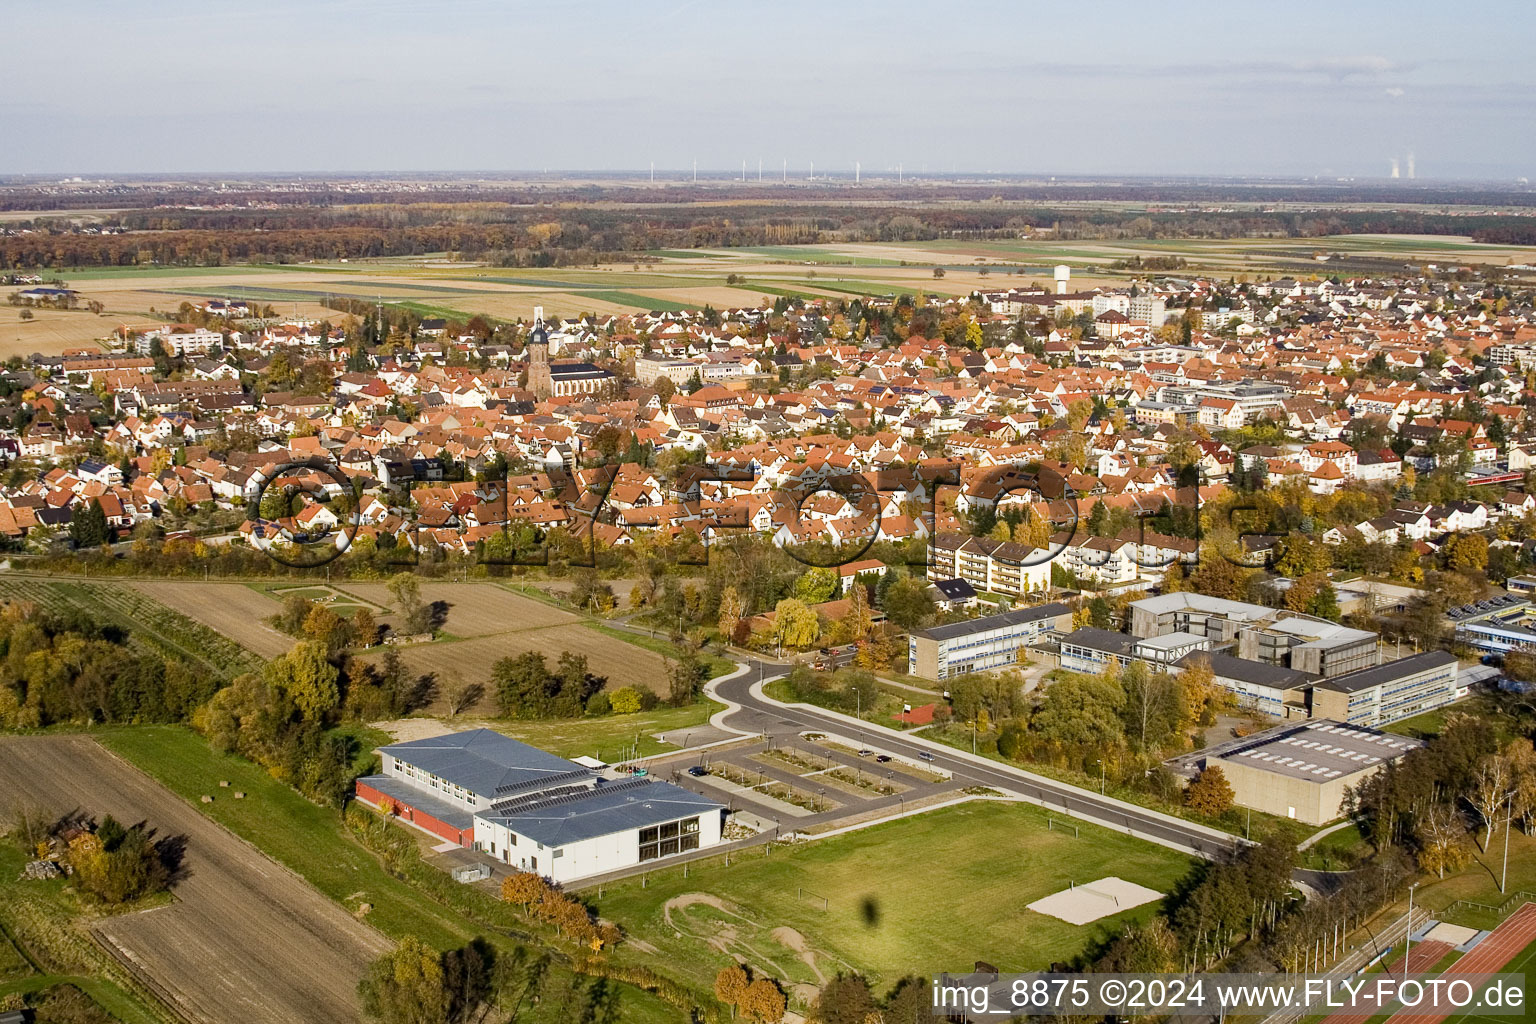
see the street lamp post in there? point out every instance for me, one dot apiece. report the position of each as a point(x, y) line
point(1504, 873)
point(1103, 775)
point(1408, 932)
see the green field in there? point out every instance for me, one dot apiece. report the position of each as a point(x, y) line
point(923, 894)
point(150, 624)
point(610, 736)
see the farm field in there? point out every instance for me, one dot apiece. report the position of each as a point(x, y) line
point(689, 279)
point(471, 659)
point(486, 622)
point(954, 891)
point(230, 609)
point(473, 609)
point(150, 622)
point(50, 331)
point(244, 941)
point(47, 919)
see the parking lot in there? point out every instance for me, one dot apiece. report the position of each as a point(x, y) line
point(807, 783)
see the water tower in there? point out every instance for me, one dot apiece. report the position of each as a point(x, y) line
point(1063, 275)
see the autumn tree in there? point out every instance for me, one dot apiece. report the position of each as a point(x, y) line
point(856, 623)
point(306, 677)
point(1491, 782)
point(731, 985)
point(795, 624)
point(764, 1001)
point(1210, 794)
point(365, 630)
point(816, 585)
point(524, 889)
point(1440, 836)
point(731, 612)
point(406, 986)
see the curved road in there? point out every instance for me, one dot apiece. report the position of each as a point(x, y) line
point(751, 713)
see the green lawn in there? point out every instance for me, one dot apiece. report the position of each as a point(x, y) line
point(932, 892)
point(1420, 726)
point(1337, 851)
point(611, 736)
point(1478, 882)
point(303, 836)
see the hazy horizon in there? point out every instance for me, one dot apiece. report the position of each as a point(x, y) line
point(399, 86)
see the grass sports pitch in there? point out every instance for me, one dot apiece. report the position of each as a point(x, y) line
point(917, 895)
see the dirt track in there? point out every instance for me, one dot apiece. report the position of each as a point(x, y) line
point(246, 941)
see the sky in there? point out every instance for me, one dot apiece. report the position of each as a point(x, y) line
point(1095, 87)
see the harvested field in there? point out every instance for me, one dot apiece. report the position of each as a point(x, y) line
point(245, 942)
point(153, 625)
point(50, 331)
point(232, 609)
point(474, 609)
point(471, 660)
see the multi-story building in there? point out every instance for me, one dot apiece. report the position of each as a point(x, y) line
point(1306, 644)
point(651, 368)
point(998, 567)
point(985, 644)
point(1386, 693)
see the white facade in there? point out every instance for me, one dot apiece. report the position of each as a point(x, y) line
point(598, 855)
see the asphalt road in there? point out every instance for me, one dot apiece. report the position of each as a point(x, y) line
point(760, 715)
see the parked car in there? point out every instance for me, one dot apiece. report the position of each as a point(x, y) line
point(882, 758)
point(865, 752)
point(698, 770)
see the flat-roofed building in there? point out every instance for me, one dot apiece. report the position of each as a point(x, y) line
point(534, 811)
point(1302, 771)
point(1272, 689)
point(1309, 645)
point(1090, 649)
point(1386, 693)
point(984, 644)
point(1186, 612)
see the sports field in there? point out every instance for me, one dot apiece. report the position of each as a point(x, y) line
point(933, 892)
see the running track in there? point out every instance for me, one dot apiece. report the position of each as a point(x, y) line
point(1487, 957)
point(1424, 956)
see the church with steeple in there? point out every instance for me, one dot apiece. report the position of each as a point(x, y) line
point(539, 381)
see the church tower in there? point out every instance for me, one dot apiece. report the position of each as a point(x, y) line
point(537, 347)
